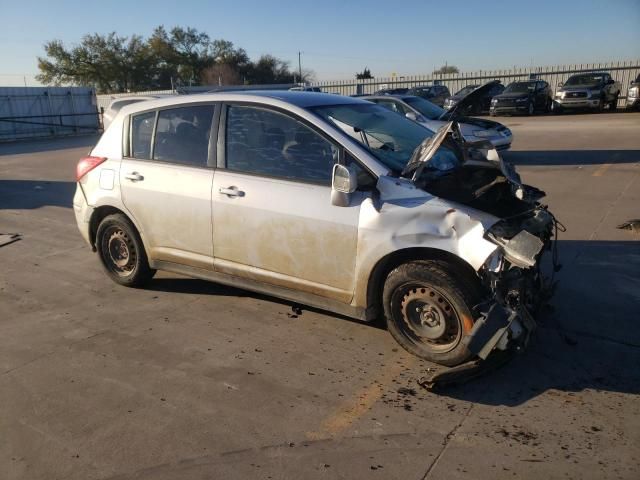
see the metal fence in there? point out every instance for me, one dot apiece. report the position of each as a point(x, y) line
point(622, 71)
point(30, 112)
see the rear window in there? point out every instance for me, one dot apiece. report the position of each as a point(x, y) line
point(182, 135)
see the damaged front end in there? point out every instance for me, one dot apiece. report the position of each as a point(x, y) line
point(512, 275)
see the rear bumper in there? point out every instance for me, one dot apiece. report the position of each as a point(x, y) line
point(82, 211)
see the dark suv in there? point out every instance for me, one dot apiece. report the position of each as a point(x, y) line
point(434, 93)
point(525, 97)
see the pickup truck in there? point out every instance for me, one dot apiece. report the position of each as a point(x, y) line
point(587, 90)
point(633, 95)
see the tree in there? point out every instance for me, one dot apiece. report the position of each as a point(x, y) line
point(221, 74)
point(107, 62)
point(364, 75)
point(269, 69)
point(446, 69)
point(181, 56)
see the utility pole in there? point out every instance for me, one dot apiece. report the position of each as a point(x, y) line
point(300, 66)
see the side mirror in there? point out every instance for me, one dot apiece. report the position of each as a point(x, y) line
point(344, 182)
point(411, 116)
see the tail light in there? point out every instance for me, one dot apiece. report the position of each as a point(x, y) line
point(86, 164)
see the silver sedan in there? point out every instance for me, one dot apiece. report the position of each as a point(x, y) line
point(433, 117)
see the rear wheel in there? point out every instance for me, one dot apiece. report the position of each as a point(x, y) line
point(429, 310)
point(121, 251)
point(601, 105)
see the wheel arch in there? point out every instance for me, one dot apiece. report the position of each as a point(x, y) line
point(99, 213)
point(386, 264)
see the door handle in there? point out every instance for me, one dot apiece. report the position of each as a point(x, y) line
point(134, 177)
point(231, 192)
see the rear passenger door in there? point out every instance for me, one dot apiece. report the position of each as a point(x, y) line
point(273, 220)
point(166, 179)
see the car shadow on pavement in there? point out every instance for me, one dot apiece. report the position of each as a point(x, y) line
point(48, 144)
point(571, 157)
point(30, 194)
point(588, 340)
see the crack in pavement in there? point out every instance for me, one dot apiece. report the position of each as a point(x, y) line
point(445, 443)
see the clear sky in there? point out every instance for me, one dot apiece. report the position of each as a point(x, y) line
point(338, 38)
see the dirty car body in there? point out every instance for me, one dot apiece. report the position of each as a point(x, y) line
point(327, 201)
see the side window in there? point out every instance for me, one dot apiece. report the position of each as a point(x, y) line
point(389, 104)
point(269, 143)
point(182, 135)
point(141, 132)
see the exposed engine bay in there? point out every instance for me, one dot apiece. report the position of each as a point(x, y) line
point(473, 174)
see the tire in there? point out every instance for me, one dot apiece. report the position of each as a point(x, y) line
point(121, 251)
point(429, 310)
point(601, 105)
point(613, 106)
point(547, 106)
point(531, 109)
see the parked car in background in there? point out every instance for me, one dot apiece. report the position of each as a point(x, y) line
point(303, 88)
point(482, 104)
point(115, 106)
point(633, 94)
point(587, 90)
point(323, 200)
point(434, 117)
point(522, 97)
point(392, 91)
point(436, 94)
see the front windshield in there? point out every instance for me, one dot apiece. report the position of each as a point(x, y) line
point(466, 90)
point(390, 137)
point(520, 87)
point(584, 80)
point(426, 108)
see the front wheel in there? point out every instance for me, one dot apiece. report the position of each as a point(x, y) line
point(531, 109)
point(429, 310)
point(121, 251)
point(613, 106)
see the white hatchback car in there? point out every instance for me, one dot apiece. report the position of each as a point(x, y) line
point(324, 200)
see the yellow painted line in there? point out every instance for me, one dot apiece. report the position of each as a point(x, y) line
point(601, 171)
point(361, 401)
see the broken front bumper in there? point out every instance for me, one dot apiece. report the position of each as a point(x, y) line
point(513, 276)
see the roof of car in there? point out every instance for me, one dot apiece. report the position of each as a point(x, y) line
point(299, 99)
point(398, 96)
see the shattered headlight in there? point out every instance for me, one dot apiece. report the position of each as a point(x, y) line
point(633, 92)
point(522, 250)
point(494, 101)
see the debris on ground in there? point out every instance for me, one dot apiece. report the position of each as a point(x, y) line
point(631, 225)
point(9, 238)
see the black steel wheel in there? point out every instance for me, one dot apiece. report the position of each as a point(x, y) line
point(428, 307)
point(121, 251)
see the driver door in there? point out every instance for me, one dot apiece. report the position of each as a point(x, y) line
point(273, 220)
